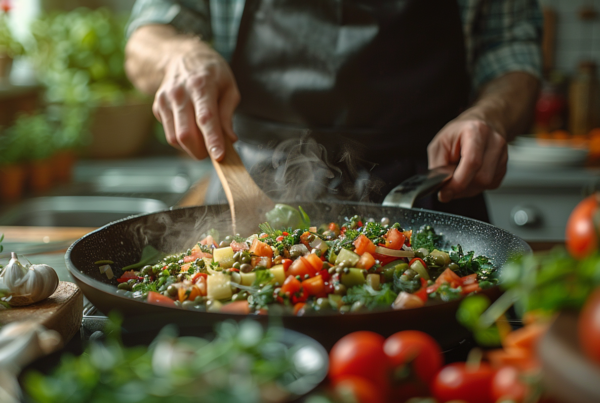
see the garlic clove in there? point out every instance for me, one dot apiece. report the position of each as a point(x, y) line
point(13, 273)
point(28, 285)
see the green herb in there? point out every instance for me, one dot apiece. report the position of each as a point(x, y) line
point(149, 257)
point(266, 228)
point(262, 297)
point(370, 297)
point(446, 293)
point(263, 277)
point(426, 238)
point(469, 264)
point(403, 284)
point(1, 239)
point(374, 231)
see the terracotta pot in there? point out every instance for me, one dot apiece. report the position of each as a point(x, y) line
point(62, 166)
point(12, 181)
point(120, 131)
point(5, 67)
point(40, 176)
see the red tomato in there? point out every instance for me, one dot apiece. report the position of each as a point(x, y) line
point(363, 244)
point(507, 385)
point(470, 279)
point(286, 263)
point(360, 354)
point(304, 239)
point(196, 277)
point(589, 327)
point(301, 267)
point(366, 261)
point(238, 246)
point(315, 262)
point(260, 248)
point(159, 299)
point(394, 239)
point(298, 307)
point(448, 276)
point(422, 292)
point(582, 228)
point(384, 259)
point(458, 382)
point(357, 389)
point(291, 285)
point(314, 286)
point(416, 348)
point(236, 307)
point(335, 228)
point(209, 240)
point(128, 275)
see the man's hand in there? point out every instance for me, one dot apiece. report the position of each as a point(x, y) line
point(480, 152)
point(476, 140)
point(195, 91)
point(196, 101)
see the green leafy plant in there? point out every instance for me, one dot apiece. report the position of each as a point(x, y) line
point(13, 148)
point(31, 137)
point(8, 44)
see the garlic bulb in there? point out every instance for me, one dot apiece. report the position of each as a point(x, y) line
point(28, 285)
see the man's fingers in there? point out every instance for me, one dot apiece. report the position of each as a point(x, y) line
point(227, 105)
point(166, 118)
point(208, 119)
point(187, 132)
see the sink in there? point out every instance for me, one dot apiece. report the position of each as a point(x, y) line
point(77, 211)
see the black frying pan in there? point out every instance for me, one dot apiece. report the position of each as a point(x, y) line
point(178, 229)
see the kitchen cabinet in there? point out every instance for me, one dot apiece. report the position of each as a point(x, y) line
point(535, 204)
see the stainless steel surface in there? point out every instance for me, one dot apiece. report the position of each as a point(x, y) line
point(77, 211)
point(406, 193)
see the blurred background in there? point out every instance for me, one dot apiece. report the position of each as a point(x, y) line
point(71, 124)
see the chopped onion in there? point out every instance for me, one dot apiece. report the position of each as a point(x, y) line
point(106, 270)
point(301, 248)
point(393, 252)
point(320, 244)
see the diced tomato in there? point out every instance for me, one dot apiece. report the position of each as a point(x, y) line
point(260, 248)
point(366, 261)
point(407, 236)
point(422, 293)
point(334, 228)
point(304, 239)
point(363, 244)
point(238, 246)
point(314, 286)
point(315, 262)
point(236, 307)
point(185, 267)
point(261, 311)
point(325, 274)
point(469, 288)
point(286, 263)
point(279, 238)
point(209, 240)
point(470, 279)
point(188, 293)
point(197, 277)
point(291, 285)
point(285, 233)
point(300, 296)
point(128, 275)
point(432, 288)
point(394, 239)
point(263, 235)
point(298, 307)
point(261, 261)
point(383, 259)
point(448, 276)
point(196, 254)
point(302, 267)
point(159, 299)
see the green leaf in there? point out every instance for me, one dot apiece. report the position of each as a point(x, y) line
point(426, 238)
point(370, 297)
point(149, 256)
point(263, 277)
point(283, 216)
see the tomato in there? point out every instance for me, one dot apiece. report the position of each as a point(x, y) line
point(422, 292)
point(196, 254)
point(358, 390)
point(589, 327)
point(236, 307)
point(261, 261)
point(470, 279)
point(304, 239)
point(360, 354)
point(209, 240)
point(188, 293)
point(159, 299)
point(260, 248)
point(286, 263)
point(363, 244)
point(185, 267)
point(448, 276)
point(314, 286)
point(128, 275)
point(334, 228)
point(299, 307)
point(417, 349)
point(459, 382)
point(238, 246)
point(384, 259)
point(366, 261)
point(315, 262)
point(507, 385)
point(196, 277)
point(582, 228)
point(394, 239)
point(467, 289)
point(291, 285)
point(302, 267)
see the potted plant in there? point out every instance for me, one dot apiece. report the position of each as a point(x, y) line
point(80, 59)
point(9, 46)
point(13, 149)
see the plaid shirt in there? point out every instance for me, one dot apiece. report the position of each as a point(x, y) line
point(500, 35)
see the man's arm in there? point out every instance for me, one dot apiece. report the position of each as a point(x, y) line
point(196, 93)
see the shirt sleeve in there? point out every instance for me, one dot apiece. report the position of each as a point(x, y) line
point(507, 37)
point(187, 16)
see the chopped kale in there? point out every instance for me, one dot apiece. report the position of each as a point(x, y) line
point(426, 238)
point(468, 263)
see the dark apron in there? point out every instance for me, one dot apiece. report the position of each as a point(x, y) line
point(340, 98)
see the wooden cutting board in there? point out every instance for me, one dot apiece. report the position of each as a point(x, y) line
point(62, 311)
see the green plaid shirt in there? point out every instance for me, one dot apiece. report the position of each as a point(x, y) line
point(500, 35)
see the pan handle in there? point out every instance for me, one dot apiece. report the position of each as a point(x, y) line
point(406, 193)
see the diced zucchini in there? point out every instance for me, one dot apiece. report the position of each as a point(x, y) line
point(223, 256)
point(353, 277)
point(278, 273)
point(217, 286)
point(248, 278)
point(350, 256)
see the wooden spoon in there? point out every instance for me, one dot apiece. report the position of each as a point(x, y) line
point(246, 199)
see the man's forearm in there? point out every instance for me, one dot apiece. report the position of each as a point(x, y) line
point(149, 50)
point(506, 103)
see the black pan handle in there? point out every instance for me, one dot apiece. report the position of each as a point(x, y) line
point(406, 193)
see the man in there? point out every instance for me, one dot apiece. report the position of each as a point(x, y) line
point(379, 89)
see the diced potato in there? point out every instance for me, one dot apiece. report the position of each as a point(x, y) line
point(248, 278)
point(278, 273)
point(218, 286)
point(224, 256)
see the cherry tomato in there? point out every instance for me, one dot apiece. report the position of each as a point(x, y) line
point(417, 349)
point(360, 354)
point(357, 390)
point(589, 327)
point(581, 228)
point(507, 385)
point(459, 382)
